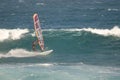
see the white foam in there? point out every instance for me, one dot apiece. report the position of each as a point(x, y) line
point(24, 53)
point(115, 31)
point(13, 34)
point(33, 34)
point(45, 64)
point(15, 53)
point(40, 4)
point(109, 9)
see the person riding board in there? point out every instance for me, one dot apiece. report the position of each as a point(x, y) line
point(34, 44)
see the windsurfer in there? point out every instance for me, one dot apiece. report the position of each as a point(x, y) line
point(34, 44)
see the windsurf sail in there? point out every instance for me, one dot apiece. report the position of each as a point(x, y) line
point(38, 31)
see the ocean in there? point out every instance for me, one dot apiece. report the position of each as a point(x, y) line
point(83, 34)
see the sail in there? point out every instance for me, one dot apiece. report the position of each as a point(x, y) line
point(38, 31)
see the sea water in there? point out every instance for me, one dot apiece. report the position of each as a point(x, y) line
point(84, 34)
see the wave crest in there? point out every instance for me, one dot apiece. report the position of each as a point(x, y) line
point(13, 34)
point(115, 31)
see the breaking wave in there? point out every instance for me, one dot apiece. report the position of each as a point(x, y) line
point(15, 53)
point(115, 31)
point(23, 53)
point(13, 34)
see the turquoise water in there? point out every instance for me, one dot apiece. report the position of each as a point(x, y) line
point(84, 35)
point(57, 72)
point(78, 54)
